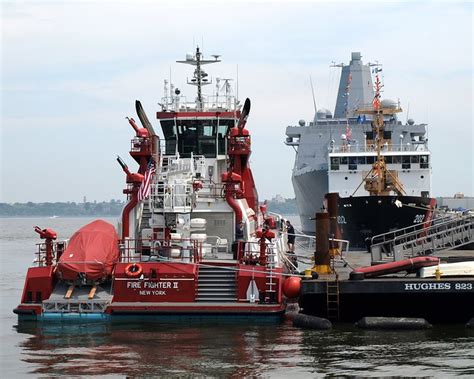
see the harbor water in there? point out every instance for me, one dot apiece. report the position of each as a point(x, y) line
point(206, 348)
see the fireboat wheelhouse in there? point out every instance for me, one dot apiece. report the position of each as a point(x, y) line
point(192, 239)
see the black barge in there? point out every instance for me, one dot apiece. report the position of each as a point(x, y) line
point(336, 297)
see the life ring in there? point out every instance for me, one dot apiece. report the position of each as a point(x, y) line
point(133, 270)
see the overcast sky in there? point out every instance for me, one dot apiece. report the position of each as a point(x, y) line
point(71, 72)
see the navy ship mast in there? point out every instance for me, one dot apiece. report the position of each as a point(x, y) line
point(379, 181)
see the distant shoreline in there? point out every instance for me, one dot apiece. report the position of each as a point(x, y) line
point(111, 208)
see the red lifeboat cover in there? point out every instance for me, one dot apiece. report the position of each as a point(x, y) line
point(92, 250)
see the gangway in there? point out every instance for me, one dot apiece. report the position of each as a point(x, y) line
point(446, 233)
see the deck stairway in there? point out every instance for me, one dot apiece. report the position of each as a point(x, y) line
point(146, 216)
point(446, 233)
point(143, 228)
point(216, 284)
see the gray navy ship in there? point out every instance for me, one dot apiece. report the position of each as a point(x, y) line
point(380, 166)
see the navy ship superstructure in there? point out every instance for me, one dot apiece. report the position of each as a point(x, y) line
point(336, 153)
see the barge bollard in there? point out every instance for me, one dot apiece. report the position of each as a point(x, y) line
point(392, 323)
point(322, 258)
point(311, 322)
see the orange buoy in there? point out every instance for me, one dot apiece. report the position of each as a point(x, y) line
point(292, 287)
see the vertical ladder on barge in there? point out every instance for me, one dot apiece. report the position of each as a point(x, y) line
point(332, 299)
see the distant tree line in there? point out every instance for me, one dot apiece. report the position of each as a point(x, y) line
point(111, 208)
point(288, 207)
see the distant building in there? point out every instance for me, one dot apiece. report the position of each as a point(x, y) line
point(279, 199)
point(457, 201)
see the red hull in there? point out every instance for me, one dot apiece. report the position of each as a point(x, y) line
point(162, 289)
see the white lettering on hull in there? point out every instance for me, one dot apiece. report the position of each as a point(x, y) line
point(146, 286)
point(438, 286)
point(153, 293)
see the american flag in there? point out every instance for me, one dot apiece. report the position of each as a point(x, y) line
point(145, 187)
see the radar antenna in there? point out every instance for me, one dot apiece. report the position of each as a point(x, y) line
point(200, 76)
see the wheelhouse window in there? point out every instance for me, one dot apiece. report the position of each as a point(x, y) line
point(361, 160)
point(352, 163)
point(169, 132)
point(424, 161)
point(199, 137)
point(396, 159)
point(334, 163)
point(387, 134)
point(406, 162)
point(222, 130)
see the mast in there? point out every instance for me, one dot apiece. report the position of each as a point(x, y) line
point(200, 76)
point(380, 181)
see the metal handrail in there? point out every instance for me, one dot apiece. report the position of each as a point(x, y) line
point(426, 231)
point(40, 259)
point(131, 250)
point(390, 148)
point(450, 230)
point(407, 229)
point(448, 237)
point(209, 102)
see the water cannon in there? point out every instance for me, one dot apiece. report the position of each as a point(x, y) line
point(144, 119)
point(132, 177)
point(231, 177)
point(141, 132)
point(244, 114)
point(237, 132)
point(46, 233)
point(265, 233)
point(49, 235)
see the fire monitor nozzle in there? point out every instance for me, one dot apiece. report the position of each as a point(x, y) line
point(46, 233)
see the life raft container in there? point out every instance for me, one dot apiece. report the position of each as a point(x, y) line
point(133, 270)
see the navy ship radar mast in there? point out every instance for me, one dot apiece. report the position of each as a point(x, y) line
point(355, 86)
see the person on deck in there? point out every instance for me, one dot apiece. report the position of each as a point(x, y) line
point(290, 230)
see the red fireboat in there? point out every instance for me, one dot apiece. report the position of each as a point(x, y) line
point(192, 239)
